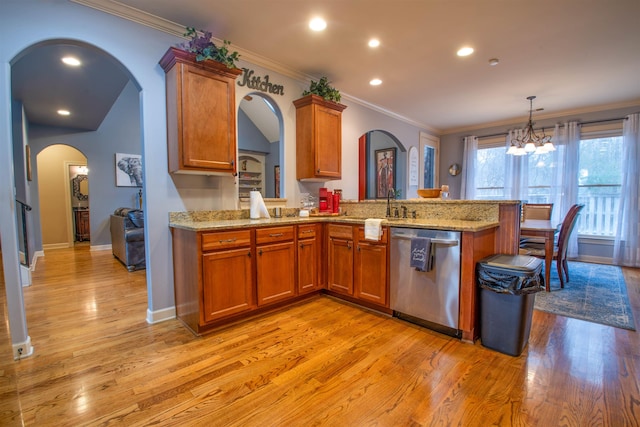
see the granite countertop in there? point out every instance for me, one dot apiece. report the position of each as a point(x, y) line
point(435, 224)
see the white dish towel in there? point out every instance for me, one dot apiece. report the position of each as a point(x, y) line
point(373, 229)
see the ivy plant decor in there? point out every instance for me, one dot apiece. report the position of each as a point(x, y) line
point(324, 89)
point(204, 48)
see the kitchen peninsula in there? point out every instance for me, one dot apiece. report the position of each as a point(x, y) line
point(228, 267)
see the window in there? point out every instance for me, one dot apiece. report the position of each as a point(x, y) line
point(600, 178)
point(599, 181)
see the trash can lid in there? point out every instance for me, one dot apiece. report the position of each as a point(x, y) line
point(516, 262)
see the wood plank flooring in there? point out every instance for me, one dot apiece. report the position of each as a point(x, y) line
point(319, 363)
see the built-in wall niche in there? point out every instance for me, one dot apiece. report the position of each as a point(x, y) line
point(382, 159)
point(260, 134)
point(251, 171)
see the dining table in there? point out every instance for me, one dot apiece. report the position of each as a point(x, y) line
point(541, 229)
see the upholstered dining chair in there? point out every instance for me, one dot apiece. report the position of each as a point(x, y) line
point(560, 245)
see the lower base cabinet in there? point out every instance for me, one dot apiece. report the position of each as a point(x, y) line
point(226, 283)
point(358, 267)
point(308, 258)
point(221, 276)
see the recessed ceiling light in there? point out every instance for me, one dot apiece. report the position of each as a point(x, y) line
point(374, 43)
point(493, 62)
point(70, 60)
point(375, 82)
point(317, 24)
point(465, 51)
point(64, 112)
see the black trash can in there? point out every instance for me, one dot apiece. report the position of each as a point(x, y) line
point(508, 284)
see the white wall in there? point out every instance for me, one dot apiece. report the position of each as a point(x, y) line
point(138, 48)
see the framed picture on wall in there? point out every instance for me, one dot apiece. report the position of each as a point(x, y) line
point(385, 172)
point(128, 170)
point(276, 178)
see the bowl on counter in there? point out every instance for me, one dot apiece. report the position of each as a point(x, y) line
point(429, 193)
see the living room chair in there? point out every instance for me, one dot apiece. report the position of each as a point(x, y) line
point(560, 246)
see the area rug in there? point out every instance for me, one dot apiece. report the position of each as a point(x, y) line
point(596, 293)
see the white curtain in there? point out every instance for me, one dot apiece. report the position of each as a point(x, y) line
point(626, 250)
point(468, 174)
point(516, 178)
point(569, 137)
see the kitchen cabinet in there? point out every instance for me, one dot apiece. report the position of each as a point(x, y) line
point(318, 139)
point(340, 258)
point(275, 259)
point(371, 277)
point(201, 117)
point(358, 267)
point(213, 276)
point(309, 258)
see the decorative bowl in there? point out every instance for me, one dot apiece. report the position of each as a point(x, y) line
point(429, 193)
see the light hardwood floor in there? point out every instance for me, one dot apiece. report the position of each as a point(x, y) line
point(322, 362)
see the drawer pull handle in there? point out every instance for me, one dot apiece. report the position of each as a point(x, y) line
point(307, 231)
point(227, 240)
point(260, 252)
point(276, 234)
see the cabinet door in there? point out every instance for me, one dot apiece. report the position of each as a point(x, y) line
point(328, 142)
point(341, 265)
point(308, 256)
point(276, 278)
point(371, 273)
point(208, 120)
point(226, 283)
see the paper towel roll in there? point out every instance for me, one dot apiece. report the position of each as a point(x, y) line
point(257, 208)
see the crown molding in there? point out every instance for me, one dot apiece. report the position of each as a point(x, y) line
point(538, 117)
point(152, 21)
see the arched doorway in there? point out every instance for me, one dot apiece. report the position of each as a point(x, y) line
point(58, 169)
point(383, 166)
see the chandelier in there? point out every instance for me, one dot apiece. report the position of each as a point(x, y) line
point(530, 142)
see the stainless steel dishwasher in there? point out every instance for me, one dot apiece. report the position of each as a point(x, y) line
point(429, 298)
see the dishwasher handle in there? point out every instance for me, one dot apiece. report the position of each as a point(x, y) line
point(434, 241)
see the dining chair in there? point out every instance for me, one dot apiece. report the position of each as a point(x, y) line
point(537, 211)
point(541, 211)
point(560, 245)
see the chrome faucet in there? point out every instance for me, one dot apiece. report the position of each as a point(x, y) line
point(390, 193)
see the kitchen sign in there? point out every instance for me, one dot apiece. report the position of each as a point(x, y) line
point(259, 83)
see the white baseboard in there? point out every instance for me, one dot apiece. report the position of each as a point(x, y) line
point(55, 246)
point(25, 276)
point(34, 259)
point(161, 315)
point(594, 259)
point(23, 349)
point(100, 248)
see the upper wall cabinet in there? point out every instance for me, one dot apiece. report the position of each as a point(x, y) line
point(201, 116)
point(318, 139)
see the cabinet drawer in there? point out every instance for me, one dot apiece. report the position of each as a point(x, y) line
point(340, 231)
point(306, 231)
point(225, 239)
point(274, 234)
point(383, 239)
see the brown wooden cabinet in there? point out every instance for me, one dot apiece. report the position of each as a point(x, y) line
point(275, 259)
point(309, 257)
point(201, 117)
point(318, 139)
point(371, 275)
point(213, 276)
point(340, 258)
point(82, 226)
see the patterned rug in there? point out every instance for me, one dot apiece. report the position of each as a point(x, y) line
point(596, 293)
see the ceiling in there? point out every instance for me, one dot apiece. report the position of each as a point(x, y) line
point(574, 55)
